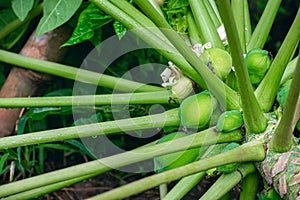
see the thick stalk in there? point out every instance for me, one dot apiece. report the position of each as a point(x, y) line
point(238, 7)
point(282, 139)
point(40, 191)
point(249, 186)
point(212, 13)
point(205, 24)
point(248, 28)
point(214, 84)
point(148, 32)
point(189, 182)
point(262, 30)
point(264, 93)
point(168, 118)
point(248, 152)
point(161, 97)
point(227, 181)
point(253, 116)
point(17, 23)
point(75, 73)
point(289, 70)
point(93, 168)
point(193, 32)
point(185, 185)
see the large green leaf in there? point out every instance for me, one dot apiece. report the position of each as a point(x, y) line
point(56, 12)
point(90, 20)
point(22, 7)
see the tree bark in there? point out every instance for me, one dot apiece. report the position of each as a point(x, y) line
point(25, 83)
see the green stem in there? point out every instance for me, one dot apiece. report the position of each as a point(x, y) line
point(17, 23)
point(161, 97)
point(128, 16)
point(262, 30)
point(250, 186)
point(215, 8)
point(212, 13)
point(75, 73)
point(237, 7)
point(189, 182)
point(193, 32)
point(252, 151)
point(289, 70)
point(215, 85)
point(282, 139)
point(168, 118)
point(184, 186)
point(227, 181)
point(205, 24)
point(83, 171)
point(163, 190)
point(253, 116)
point(248, 28)
point(264, 93)
point(40, 191)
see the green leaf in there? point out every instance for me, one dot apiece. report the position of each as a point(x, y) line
point(89, 22)
point(56, 12)
point(120, 29)
point(176, 4)
point(22, 7)
point(2, 162)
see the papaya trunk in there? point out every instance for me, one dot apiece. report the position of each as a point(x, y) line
point(24, 83)
point(281, 170)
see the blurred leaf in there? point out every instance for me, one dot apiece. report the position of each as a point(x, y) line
point(56, 12)
point(61, 92)
point(5, 3)
point(22, 7)
point(177, 4)
point(120, 29)
point(62, 147)
point(92, 119)
point(6, 17)
point(2, 162)
point(89, 22)
point(176, 11)
point(82, 148)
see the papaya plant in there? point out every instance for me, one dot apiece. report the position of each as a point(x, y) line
point(242, 133)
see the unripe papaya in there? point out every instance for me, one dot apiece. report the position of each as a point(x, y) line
point(173, 160)
point(229, 167)
point(257, 62)
point(229, 121)
point(283, 92)
point(298, 125)
point(196, 111)
point(218, 60)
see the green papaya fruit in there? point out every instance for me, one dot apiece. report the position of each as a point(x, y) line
point(258, 62)
point(173, 160)
point(229, 121)
point(283, 92)
point(298, 125)
point(218, 60)
point(229, 167)
point(196, 111)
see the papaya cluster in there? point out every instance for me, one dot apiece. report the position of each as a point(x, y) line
point(200, 111)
